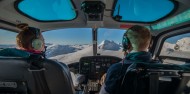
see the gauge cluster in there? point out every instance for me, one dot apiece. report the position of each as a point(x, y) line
point(95, 66)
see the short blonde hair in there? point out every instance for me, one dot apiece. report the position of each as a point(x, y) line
point(139, 37)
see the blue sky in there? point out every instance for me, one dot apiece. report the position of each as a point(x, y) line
point(110, 34)
point(7, 37)
point(69, 36)
point(81, 35)
point(77, 36)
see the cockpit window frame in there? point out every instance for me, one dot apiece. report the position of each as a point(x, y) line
point(162, 39)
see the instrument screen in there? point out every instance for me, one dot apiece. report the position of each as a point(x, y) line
point(95, 66)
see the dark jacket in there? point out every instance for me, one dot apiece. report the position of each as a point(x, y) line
point(117, 71)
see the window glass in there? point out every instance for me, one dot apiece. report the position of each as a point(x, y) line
point(48, 10)
point(7, 39)
point(110, 42)
point(176, 47)
point(142, 10)
point(68, 45)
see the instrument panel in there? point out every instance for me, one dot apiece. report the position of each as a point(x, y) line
point(95, 66)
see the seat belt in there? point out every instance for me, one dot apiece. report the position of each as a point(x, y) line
point(153, 83)
point(37, 69)
point(40, 82)
point(153, 80)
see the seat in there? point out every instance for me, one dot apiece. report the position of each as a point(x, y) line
point(16, 77)
point(150, 78)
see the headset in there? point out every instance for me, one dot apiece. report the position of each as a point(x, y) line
point(37, 43)
point(126, 45)
point(125, 42)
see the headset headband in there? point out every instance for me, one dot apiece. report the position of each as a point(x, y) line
point(36, 31)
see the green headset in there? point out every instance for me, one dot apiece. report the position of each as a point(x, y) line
point(37, 43)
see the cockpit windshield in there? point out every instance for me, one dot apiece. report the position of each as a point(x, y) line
point(68, 45)
point(7, 39)
point(110, 41)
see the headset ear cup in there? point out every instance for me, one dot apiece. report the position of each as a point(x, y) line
point(37, 44)
point(125, 43)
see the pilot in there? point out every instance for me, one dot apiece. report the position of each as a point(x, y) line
point(29, 40)
point(135, 42)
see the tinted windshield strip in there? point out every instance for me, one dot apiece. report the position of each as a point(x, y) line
point(49, 11)
point(142, 11)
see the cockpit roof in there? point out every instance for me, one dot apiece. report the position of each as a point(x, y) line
point(154, 14)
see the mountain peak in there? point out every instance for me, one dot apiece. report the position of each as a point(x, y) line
point(109, 45)
point(184, 44)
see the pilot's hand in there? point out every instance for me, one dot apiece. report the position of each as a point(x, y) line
point(102, 80)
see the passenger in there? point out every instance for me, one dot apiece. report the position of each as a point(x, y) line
point(29, 40)
point(136, 42)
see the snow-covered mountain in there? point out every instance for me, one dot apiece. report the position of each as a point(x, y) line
point(183, 51)
point(75, 52)
point(184, 44)
point(109, 45)
point(72, 53)
point(75, 56)
point(56, 49)
point(167, 48)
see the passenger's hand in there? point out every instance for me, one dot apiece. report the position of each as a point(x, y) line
point(102, 80)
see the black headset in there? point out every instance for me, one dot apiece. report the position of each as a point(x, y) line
point(125, 42)
point(37, 43)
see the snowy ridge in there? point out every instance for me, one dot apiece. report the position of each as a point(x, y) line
point(72, 53)
point(109, 45)
point(167, 48)
point(75, 56)
point(182, 51)
point(184, 44)
point(55, 49)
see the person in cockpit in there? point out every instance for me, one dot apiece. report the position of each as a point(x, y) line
point(29, 41)
point(135, 42)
